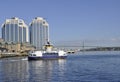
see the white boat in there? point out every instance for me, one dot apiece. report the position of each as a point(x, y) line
point(48, 53)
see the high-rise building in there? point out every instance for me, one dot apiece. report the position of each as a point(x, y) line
point(39, 32)
point(15, 30)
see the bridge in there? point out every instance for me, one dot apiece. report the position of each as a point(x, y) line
point(88, 46)
point(76, 48)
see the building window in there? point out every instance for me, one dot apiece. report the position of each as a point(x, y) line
point(43, 22)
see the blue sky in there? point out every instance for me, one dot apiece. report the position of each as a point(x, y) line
point(70, 20)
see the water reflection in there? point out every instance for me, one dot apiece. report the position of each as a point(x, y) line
point(92, 66)
point(13, 70)
point(45, 70)
point(20, 70)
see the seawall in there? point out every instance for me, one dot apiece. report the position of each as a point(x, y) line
point(7, 54)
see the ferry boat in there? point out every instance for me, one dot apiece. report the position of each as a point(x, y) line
point(48, 53)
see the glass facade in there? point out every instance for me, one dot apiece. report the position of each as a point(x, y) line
point(15, 30)
point(20, 34)
point(24, 33)
point(3, 32)
point(16, 33)
point(39, 32)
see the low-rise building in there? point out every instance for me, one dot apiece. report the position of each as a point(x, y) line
point(16, 47)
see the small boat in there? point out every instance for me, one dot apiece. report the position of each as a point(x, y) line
point(48, 53)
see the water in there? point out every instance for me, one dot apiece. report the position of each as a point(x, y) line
point(79, 67)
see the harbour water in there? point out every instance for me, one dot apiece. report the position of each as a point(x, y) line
point(79, 67)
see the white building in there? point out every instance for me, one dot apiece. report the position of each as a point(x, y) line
point(39, 32)
point(15, 30)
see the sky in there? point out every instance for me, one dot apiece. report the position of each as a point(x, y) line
point(96, 22)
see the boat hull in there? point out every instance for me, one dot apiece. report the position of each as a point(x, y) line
point(47, 57)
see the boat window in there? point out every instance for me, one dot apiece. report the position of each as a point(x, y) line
point(50, 53)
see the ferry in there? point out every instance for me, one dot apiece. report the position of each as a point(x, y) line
point(48, 53)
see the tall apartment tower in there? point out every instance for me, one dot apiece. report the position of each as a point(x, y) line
point(15, 30)
point(39, 32)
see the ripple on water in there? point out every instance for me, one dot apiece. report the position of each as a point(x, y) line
point(93, 67)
